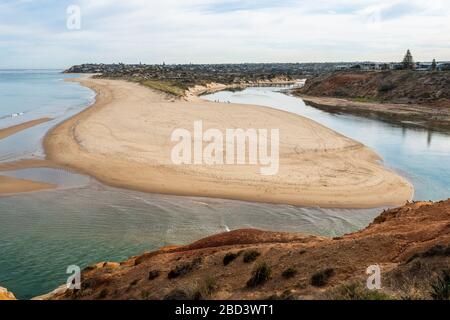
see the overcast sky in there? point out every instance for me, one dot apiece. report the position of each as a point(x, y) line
point(34, 33)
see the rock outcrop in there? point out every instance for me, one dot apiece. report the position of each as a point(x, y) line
point(426, 88)
point(6, 295)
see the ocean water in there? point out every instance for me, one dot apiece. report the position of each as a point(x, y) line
point(84, 222)
point(32, 94)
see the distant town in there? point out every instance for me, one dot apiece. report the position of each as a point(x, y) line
point(183, 76)
point(407, 64)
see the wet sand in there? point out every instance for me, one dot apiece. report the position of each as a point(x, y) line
point(6, 132)
point(10, 186)
point(124, 140)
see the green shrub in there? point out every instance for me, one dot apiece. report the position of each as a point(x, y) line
point(145, 295)
point(184, 269)
point(251, 255)
point(164, 86)
point(230, 257)
point(193, 291)
point(437, 250)
point(386, 87)
point(152, 275)
point(440, 287)
point(286, 295)
point(134, 282)
point(289, 273)
point(259, 275)
point(355, 291)
point(90, 283)
point(320, 279)
point(84, 292)
point(207, 287)
point(102, 294)
point(185, 293)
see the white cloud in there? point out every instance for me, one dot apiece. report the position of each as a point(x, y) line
point(212, 31)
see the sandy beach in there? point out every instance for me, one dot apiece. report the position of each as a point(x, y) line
point(124, 140)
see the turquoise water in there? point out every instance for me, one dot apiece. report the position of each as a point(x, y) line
point(422, 156)
point(84, 221)
point(32, 94)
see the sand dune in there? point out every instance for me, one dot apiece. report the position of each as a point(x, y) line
point(125, 140)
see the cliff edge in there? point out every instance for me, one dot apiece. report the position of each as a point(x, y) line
point(410, 245)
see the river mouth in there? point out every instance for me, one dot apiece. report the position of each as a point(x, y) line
point(419, 155)
point(83, 221)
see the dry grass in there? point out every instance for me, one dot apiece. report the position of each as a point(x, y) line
point(260, 275)
point(163, 86)
point(355, 291)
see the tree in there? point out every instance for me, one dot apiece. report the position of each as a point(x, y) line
point(434, 65)
point(408, 61)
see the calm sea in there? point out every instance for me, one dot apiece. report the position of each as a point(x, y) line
point(32, 94)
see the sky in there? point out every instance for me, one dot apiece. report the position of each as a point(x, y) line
point(51, 34)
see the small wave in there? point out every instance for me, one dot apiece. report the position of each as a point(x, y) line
point(200, 203)
point(17, 114)
point(13, 115)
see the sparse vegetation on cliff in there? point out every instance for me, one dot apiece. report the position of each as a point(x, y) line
point(320, 279)
point(427, 88)
point(411, 243)
point(440, 287)
point(183, 269)
point(230, 257)
point(260, 275)
point(289, 273)
point(404, 97)
point(356, 291)
point(251, 255)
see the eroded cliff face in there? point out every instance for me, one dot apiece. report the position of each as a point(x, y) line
point(6, 295)
point(411, 245)
point(427, 88)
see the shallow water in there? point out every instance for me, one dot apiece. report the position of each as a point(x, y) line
point(422, 156)
point(84, 222)
point(60, 177)
point(32, 94)
point(42, 233)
